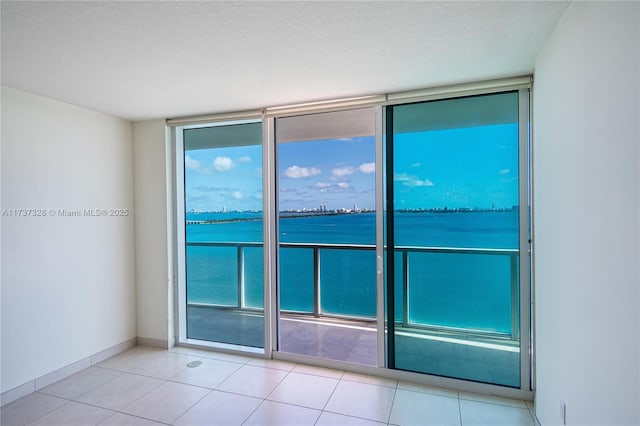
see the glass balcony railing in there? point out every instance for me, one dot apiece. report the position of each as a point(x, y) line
point(469, 290)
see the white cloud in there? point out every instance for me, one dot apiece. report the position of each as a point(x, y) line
point(190, 163)
point(342, 172)
point(367, 167)
point(402, 177)
point(415, 165)
point(411, 180)
point(505, 171)
point(322, 185)
point(343, 185)
point(295, 172)
point(223, 164)
point(237, 195)
point(418, 182)
point(245, 159)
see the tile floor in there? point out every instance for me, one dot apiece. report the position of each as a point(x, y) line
point(146, 386)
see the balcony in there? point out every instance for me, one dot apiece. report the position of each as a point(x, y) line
point(443, 311)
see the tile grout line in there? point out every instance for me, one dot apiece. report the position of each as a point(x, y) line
point(494, 403)
point(317, 374)
point(192, 405)
point(254, 410)
point(32, 384)
point(148, 377)
point(329, 399)
point(76, 402)
point(533, 416)
point(324, 410)
point(372, 384)
point(84, 393)
point(210, 390)
point(266, 396)
point(213, 357)
point(163, 382)
point(140, 397)
point(121, 373)
point(393, 401)
point(251, 365)
point(71, 399)
point(115, 412)
point(48, 412)
point(227, 378)
point(279, 382)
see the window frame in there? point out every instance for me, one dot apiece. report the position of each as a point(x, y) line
point(270, 216)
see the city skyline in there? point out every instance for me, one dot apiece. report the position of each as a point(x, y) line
point(474, 168)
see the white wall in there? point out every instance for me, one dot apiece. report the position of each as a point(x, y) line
point(67, 282)
point(587, 240)
point(152, 202)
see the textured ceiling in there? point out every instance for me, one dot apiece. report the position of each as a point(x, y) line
point(141, 60)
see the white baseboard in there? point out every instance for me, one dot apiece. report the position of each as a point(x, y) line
point(153, 343)
point(59, 374)
point(112, 351)
point(18, 392)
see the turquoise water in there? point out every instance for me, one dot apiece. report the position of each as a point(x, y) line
point(445, 289)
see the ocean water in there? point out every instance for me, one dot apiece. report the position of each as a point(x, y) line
point(445, 289)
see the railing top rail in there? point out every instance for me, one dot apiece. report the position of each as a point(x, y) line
point(460, 250)
point(223, 244)
point(420, 249)
point(330, 246)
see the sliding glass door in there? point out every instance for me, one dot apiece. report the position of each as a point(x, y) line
point(224, 289)
point(456, 235)
point(392, 235)
point(327, 235)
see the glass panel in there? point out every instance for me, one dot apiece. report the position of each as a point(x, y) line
point(213, 283)
point(470, 292)
point(253, 277)
point(455, 222)
point(326, 198)
point(348, 283)
point(296, 290)
point(224, 255)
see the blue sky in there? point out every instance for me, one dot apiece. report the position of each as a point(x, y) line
point(224, 177)
point(469, 167)
point(339, 173)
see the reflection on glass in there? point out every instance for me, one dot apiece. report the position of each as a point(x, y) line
point(224, 255)
point(455, 185)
